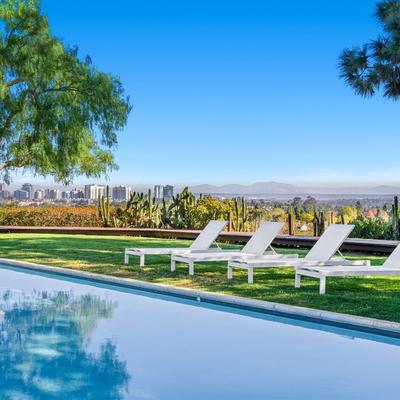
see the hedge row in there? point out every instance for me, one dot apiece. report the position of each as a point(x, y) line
point(50, 216)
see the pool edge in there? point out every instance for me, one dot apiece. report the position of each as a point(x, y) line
point(320, 316)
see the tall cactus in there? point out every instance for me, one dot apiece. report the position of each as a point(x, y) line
point(165, 215)
point(319, 223)
point(245, 214)
point(395, 218)
point(151, 208)
point(181, 207)
point(332, 219)
point(230, 221)
point(239, 215)
point(291, 222)
point(104, 209)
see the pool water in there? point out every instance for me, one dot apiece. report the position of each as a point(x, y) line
point(70, 339)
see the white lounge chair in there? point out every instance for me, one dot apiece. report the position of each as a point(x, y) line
point(320, 254)
point(256, 246)
point(202, 243)
point(391, 267)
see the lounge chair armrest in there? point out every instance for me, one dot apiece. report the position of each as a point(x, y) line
point(332, 263)
point(365, 263)
point(272, 253)
point(288, 256)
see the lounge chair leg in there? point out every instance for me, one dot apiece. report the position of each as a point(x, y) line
point(191, 267)
point(297, 281)
point(322, 285)
point(230, 272)
point(142, 260)
point(173, 265)
point(250, 274)
point(126, 260)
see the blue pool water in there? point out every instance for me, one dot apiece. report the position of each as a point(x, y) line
point(69, 339)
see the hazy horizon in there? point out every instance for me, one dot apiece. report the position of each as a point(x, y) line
point(294, 188)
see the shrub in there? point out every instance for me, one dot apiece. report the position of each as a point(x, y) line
point(49, 216)
point(372, 228)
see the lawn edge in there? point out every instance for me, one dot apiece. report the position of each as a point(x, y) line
point(365, 324)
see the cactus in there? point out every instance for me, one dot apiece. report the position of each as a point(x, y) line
point(245, 214)
point(239, 216)
point(120, 219)
point(230, 221)
point(165, 215)
point(395, 218)
point(236, 226)
point(133, 209)
point(104, 209)
point(181, 207)
point(319, 223)
point(151, 208)
point(291, 222)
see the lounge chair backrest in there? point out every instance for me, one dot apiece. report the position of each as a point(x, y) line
point(393, 261)
point(208, 235)
point(329, 242)
point(264, 236)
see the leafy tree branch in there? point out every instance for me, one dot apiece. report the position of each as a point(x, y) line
point(59, 115)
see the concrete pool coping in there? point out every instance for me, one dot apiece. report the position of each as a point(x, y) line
point(364, 324)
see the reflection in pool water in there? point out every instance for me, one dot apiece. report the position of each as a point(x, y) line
point(64, 338)
point(44, 340)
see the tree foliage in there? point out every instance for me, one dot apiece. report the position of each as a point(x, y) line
point(59, 115)
point(372, 228)
point(376, 64)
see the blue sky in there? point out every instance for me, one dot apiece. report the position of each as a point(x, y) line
point(237, 91)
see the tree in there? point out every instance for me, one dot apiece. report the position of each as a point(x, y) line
point(297, 205)
point(309, 204)
point(376, 64)
point(59, 115)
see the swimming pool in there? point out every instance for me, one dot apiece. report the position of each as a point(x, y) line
point(65, 338)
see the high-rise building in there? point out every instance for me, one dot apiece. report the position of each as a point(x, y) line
point(77, 194)
point(52, 194)
point(168, 191)
point(39, 194)
point(65, 195)
point(90, 192)
point(5, 194)
point(94, 192)
point(27, 187)
point(158, 192)
point(21, 195)
point(121, 193)
point(101, 191)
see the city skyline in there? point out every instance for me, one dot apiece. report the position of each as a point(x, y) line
point(89, 193)
point(118, 191)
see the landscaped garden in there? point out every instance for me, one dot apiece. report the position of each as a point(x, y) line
point(371, 297)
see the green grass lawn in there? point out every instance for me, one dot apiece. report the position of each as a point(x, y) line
point(371, 297)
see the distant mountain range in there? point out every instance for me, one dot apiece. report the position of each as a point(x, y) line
point(276, 188)
point(259, 189)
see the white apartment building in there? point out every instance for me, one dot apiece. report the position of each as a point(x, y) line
point(94, 192)
point(158, 191)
